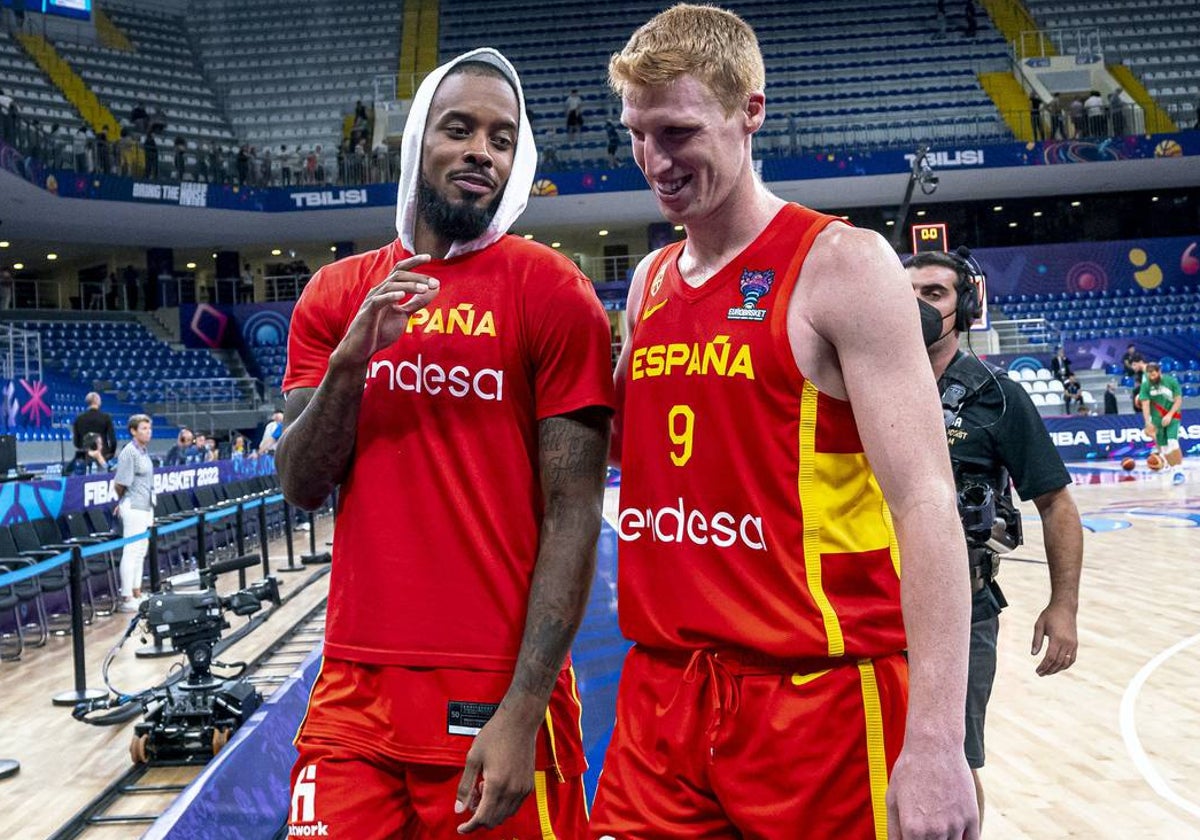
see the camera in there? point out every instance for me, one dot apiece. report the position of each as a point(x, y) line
point(989, 519)
point(193, 720)
point(91, 442)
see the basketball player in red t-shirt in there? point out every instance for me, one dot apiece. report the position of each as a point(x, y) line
point(456, 386)
point(783, 460)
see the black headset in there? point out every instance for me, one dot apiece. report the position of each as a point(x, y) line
point(968, 308)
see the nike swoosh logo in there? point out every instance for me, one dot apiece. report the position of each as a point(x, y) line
point(650, 310)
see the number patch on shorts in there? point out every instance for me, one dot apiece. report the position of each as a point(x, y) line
point(467, 718)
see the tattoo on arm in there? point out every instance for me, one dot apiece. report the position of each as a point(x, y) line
point(573, 453)
point(313, 456)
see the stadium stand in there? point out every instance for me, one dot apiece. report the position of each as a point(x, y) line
point(1157, 39)
point(36, 97)
point(832, 84)
point(296, 93)
point(161, 72)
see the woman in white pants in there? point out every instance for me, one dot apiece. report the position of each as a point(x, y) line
point(134, 485)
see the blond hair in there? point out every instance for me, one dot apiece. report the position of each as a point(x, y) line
point(714, 45)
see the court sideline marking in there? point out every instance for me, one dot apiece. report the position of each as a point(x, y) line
point(1129, 728)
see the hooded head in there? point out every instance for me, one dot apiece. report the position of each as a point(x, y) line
point(492, 215)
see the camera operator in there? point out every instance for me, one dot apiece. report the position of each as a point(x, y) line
point(994, 432)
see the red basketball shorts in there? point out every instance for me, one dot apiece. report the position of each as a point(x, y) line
point(717, 746)
point(382, 752)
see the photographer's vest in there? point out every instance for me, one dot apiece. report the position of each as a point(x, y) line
point(750, 517)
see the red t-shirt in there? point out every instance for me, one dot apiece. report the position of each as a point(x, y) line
point(439, 518)
point(750, 517)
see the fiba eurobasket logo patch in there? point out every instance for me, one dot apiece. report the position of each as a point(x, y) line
point(753, 286)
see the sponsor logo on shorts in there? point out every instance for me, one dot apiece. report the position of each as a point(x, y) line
point(304, 806)
point(678, 524)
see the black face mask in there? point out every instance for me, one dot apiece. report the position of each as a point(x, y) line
point(931, 322)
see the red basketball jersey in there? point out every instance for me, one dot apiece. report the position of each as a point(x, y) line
point(440, 515)
point(749, 515)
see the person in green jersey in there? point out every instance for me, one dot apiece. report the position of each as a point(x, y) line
point(1162, 399)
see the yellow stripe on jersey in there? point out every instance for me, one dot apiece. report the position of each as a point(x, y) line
point(893, 543)
point(813, 510)
point(876, 754)
point(543, 805)
point(851, 504)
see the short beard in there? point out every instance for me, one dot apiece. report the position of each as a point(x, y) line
point(453, 221)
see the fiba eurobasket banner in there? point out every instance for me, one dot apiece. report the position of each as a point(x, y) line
point(1106, 437)
point(235, 326)
point(53, 496)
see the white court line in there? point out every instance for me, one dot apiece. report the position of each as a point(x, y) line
point(1129, 728)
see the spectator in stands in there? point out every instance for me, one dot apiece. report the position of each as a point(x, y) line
point(126, 153)
point(1060, 365)
point(206, 448)
point(972, 24)
point(1093, 107)
point(7, 288)
point(104, 151)
point(246, 285)
point(574, 107)
point(264, 166)
point(134, 486)
point(1116, 113)
point(286, 160)
point(1035, 116)
point(150, 148)
point(139, 118)
point(237, 447)
point(216, 162)
point(79, 149)
point(1131, 359)
point(614, 140)
point(1078, 120)
point(243, 164)
point(1110, 398)
point(1058, 128)
point(1072, 391)
point(8, 117)
point(180, 156)
point(940, 34)
point(156, 120)
point(272, 432)
point(182, 450)
point(95, 422)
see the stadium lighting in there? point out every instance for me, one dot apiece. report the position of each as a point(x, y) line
point(998, 208)
point(678, 227)
point(603, 233)
point(18, 266)
point(1012, 224)
point(4, 243)
point(333, 248)
point(1152, 198)
point(52, 257)
point(891, 222)
point(555, 244)
point(275, 252)
point(191, 266)
point(1076, 203)
point(920, 212)
point(1037, 214)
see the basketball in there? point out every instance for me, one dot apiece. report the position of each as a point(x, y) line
point(1154, 461)
point(1128, 464)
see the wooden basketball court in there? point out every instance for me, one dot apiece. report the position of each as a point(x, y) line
point(1108, 749)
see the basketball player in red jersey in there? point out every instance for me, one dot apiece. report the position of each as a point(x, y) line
point(787, 522)
point(456, 386)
